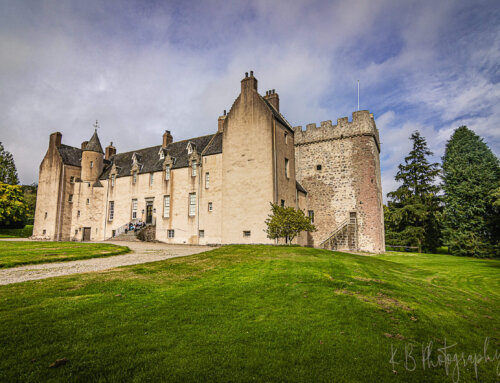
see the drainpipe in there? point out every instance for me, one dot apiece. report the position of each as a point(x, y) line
point(61, 196)
point(106, 209)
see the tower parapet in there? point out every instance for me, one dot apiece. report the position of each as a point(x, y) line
point(362, 124)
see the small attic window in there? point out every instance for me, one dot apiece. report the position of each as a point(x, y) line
point(190, 148)
point(162, 155)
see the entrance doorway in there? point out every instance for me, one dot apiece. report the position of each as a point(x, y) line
point(86, 234)
point(149, 212)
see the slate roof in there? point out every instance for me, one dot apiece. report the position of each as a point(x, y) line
point(150, 161)
point(94, 144)
point(300, 188)
point(70, 155)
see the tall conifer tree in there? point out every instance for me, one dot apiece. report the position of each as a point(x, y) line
point(414, 209)
point(8, 172)
point(471, 181)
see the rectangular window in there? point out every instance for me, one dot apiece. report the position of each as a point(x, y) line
point(78, 214)
point(192, 204)
point(72, 179)
point(91, 164)
point(44, 231)
point(134, 209)
point(45, 215)
point(287, 168)
point(210, 206)
point(70, 198)
point(286, 138)
point(167, 172)
point(113, 180)
point(310, 214)
point(170, 233)
point(166, 206)
point(111, 210)
point(247, 233)
point(207, 180)
point(88, 201)
point(282, 203)
point(193, 168)
point(134, 178)
point(202, 234)
point(151, 178)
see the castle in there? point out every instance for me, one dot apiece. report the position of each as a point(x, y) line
point(217, 189)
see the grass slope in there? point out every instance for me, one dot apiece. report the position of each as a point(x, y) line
point(25, 232)
point(15, 253)
point(253, 313)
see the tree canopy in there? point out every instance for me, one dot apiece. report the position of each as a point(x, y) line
point(287, 222)
point(471, 182)
point(8, 172)
point(413, 212)
point(13, 209)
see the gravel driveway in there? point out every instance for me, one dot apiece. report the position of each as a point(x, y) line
point(142, 252)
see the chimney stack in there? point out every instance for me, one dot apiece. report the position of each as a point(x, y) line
point(55, 140)
point(249, 83)
point(110, 151)
point(221, 123)
point(273, 98)
point(167, 139)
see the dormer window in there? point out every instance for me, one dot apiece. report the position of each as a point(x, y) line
point(193, 168)
point(162, 155)
point(167, 172)
point(190, 148)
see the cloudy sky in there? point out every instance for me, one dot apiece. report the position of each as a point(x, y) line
point(141, 67)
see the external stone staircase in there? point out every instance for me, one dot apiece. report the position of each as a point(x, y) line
point(129, 236)
point(344, 237)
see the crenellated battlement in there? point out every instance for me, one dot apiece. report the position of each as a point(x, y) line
point(362, 123)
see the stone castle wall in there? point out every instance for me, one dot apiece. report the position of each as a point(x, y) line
point(340, 169)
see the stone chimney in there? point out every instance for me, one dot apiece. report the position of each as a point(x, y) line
point(221, 123)
point(167, 139)
point(110, 151)
point(273, 98)
point(249, 83)
point(55, 140)
point(84, 144)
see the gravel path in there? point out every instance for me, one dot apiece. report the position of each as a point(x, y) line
point(142, 252)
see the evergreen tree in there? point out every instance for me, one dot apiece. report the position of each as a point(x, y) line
point(414, 211)
point(471, 181)
point(8, 172)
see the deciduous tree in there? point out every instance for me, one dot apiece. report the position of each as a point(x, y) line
point(287, 222)
point(13, 209)
point(8, 172)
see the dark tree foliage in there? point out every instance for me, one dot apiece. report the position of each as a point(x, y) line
point(471, 182)
point(29, 192)
point(8, 172)
point(413, 214)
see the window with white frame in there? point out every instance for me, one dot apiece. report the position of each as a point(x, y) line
point(134, 177)
point(113, 180)
point(310, 214)
point(210, 206)
point(192, 204)
point(134, 209)
point(170, 233)
point(151, 178)
point(193, 168)
point(167, 172)
point(111, 210)
point(207, 180)
point(166, 206)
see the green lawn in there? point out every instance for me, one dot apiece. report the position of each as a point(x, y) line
point(254, 313)
point(15, 253)
point(25, 232)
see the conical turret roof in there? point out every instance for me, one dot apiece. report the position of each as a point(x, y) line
point(94, 145)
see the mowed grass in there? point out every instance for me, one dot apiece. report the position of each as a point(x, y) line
point(16, 253)
point(255, 313)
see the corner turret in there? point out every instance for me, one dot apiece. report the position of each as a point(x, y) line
point(92, 159)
